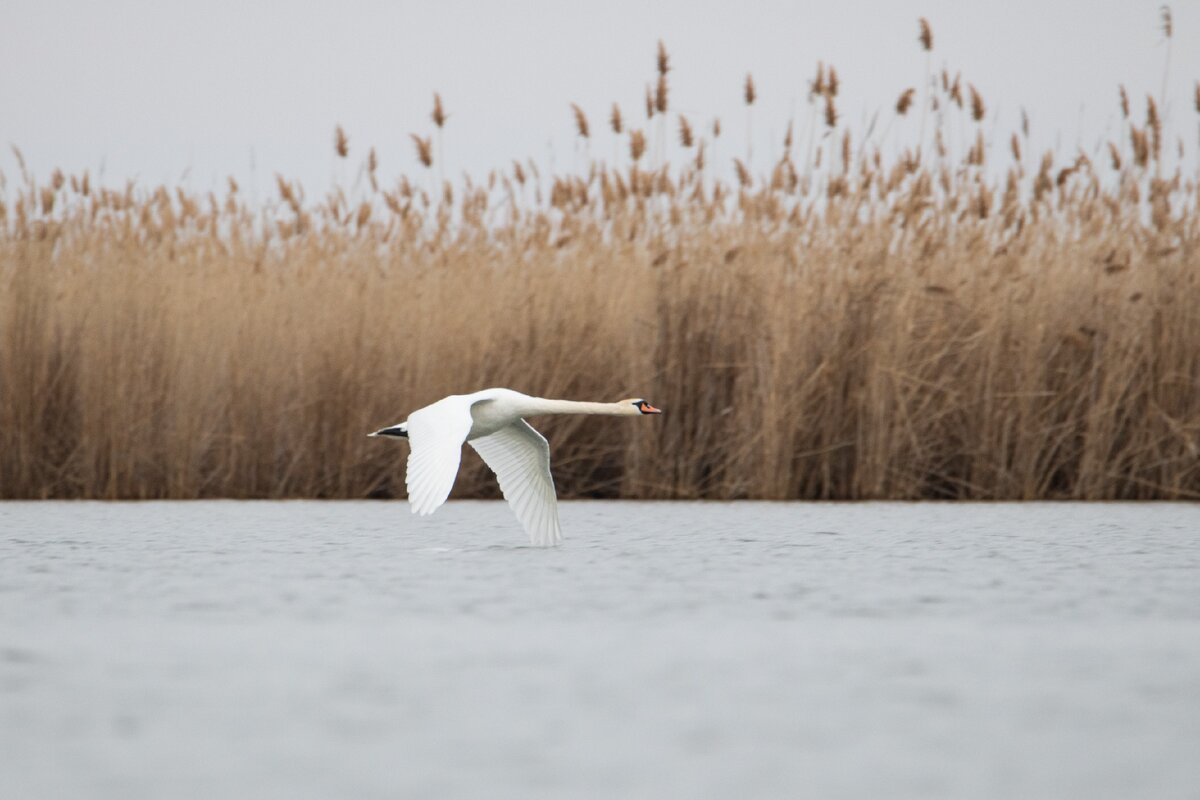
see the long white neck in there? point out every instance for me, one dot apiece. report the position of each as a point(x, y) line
point(542, 405)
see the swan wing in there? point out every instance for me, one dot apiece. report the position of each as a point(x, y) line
point(520, 457)
point(436, 434)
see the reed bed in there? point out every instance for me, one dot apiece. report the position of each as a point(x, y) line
point(985, 324)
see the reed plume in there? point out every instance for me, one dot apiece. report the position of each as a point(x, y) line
point(743, 173)
point(1154, 126)
point(1141, 146)
point(424, 149)
point(925, 37)
point(977, 107)
point(816, 87)
point(685, 132)
point(637, 144)
point(956, 91)
point(581, 121)
point(439, 113)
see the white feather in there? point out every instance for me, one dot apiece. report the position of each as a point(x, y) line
point(520, 457)
point(436, 433)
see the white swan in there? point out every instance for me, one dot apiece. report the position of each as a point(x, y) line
point(492, 421)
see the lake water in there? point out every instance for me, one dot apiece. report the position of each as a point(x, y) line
point(698, 650)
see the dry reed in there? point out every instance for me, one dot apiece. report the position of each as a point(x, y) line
point(660, 95)
point(908, 328)
point(438, 115)
point(637, 145)
point(424, 149)
point(686, 137)
point(581, 121)
point(925, 37)
point(831, 115)
point(977, 107)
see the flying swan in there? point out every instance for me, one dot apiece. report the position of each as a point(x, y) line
point(493, 422)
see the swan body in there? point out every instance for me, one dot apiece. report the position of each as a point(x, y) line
point(493, 423)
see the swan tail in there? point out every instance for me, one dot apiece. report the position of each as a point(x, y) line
point(399, 431)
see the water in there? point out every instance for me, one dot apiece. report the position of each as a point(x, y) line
point(312, 650)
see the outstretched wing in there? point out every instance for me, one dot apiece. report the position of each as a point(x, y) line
point(436, 434)
point(520, 457)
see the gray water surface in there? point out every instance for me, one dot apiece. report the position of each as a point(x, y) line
point(751, 650)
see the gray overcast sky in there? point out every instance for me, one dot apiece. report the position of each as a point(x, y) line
point(157, 89)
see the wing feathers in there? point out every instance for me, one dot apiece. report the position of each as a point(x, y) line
point(436, 434)
point(520, 457)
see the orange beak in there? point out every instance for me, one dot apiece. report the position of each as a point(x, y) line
point(646, 408)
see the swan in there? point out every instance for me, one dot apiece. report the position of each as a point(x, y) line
point(493, 422)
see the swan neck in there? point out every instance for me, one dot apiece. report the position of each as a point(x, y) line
point(543, 405)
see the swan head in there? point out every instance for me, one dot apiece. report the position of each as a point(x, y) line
point(639, 406)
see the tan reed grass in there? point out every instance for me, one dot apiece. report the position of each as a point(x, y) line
point(581, 121)
point(637, 144)
point(977, 107)
point(925, 37)
point(424, 149)
point(686, 138)
point(872, 328)
point(438, 115)
point(956, 91)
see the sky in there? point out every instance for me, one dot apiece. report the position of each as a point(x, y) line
point(189, 93)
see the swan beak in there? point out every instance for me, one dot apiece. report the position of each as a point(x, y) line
point(646, 408)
